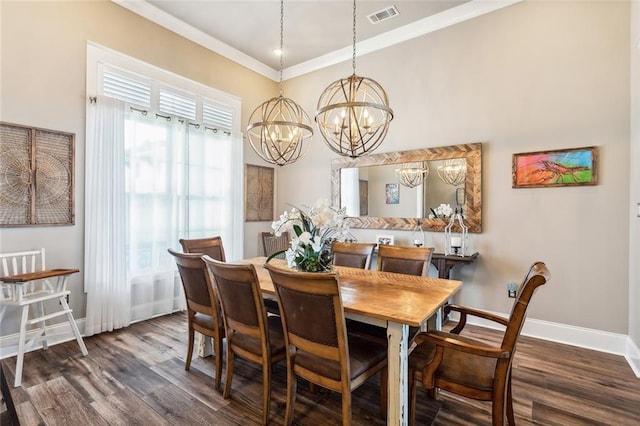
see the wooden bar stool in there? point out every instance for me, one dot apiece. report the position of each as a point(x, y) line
point(24, 286)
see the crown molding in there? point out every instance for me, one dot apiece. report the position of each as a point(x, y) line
point(424, 26)
point(162, 18)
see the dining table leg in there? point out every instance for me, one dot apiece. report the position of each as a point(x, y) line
point(398, 364)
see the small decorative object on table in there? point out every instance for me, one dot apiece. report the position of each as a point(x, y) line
point(314, 229)
point(417, 236)
point(455, 243)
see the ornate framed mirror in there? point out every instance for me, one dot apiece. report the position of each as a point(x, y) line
point(369, 188)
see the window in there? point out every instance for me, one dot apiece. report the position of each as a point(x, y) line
point(177, 170)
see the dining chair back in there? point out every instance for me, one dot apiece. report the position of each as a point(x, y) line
point(211, 246)
point(272, 243)
point(470, 367)
point(251, 333)
point(203, 312)
point(318, 346)
point(353, 255)
point(404, 260)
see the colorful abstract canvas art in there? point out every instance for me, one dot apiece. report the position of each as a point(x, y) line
point(564, 167)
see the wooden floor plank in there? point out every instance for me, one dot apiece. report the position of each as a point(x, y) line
point(136, 376)
point(199, 385)
point(59, 404)
point(124, 408)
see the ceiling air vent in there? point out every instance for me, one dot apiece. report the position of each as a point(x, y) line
point(383, 14)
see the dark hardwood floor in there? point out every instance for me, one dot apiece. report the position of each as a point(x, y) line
point(136, 376)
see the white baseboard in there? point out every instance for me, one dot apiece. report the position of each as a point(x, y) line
point(56, 333)
point(602, 341)
point(633, 356)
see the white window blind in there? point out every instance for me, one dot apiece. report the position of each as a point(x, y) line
point(218, 116)
point(176, 104)
point(163, 99)
point(126, 88)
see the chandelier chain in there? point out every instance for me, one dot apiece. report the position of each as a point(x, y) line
point(353, 113)
point(353, 61)
point(279, 130)
point(281, 42)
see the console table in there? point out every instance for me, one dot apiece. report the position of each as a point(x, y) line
point(444, 263)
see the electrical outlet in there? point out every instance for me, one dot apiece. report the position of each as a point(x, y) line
point(512, 289)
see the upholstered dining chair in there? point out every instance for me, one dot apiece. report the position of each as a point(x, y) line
point(470, 367)
point(251, 333)
point(318, 346)
point(211, 246)
point(203, 310)
point(272, 244)
point(404, 260)
point(353, 255)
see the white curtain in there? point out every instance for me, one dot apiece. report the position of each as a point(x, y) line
point(105, 273)
point(155, 188)
point(152, 180)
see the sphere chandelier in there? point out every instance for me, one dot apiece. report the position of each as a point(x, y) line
point(353, 113)
point(279, 128)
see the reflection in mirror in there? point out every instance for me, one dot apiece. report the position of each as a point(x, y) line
point(453, 172)
point(412, 174)
point(413, 201)
point(374, 196)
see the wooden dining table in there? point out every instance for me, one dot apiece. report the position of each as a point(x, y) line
point(389, 300)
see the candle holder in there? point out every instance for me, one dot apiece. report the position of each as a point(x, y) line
point(417, 236)
point(455, 242)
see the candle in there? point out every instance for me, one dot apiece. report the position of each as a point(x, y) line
point(456, 242)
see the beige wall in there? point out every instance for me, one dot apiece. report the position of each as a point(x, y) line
point(532, 76)
point(43, 84)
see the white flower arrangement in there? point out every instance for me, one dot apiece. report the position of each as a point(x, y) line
point(442, 211)
point(312, 229)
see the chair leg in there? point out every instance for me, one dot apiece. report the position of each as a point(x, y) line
point(291, 394)
point(21, 344)
point(74, 326)
point(346, 408)
point(43, 326)
point(510, 418)
point(187, 364)
point(498, 406)
point(266, 390)
point(229, 375)
point(217, 348)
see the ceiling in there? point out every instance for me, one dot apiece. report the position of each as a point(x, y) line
point(317, 34)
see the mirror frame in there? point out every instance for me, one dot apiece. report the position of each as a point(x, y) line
point(473, 186)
